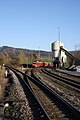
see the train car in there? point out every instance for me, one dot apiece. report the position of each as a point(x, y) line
point(37, 64)
point(40, 64)
point(46, 64)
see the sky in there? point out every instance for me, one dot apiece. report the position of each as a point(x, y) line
point(33, 24)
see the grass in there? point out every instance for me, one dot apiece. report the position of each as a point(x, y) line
point(2, 81)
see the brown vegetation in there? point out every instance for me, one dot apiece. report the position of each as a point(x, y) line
point(2, 81)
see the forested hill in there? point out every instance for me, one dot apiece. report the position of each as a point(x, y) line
point(11, 51)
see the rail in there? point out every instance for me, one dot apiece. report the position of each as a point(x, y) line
point(38, 110)
point(68, 107)
point(66, 80)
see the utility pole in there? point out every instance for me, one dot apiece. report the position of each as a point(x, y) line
point(59, 42)
point(39, 52)
point(58, 33)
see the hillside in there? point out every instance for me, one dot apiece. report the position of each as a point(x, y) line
point(16, 51)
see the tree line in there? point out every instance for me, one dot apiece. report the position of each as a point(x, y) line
point(22, 58)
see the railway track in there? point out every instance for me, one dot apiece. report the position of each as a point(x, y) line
point(45, 104)
point(68, 93)
point(38, 110)
point(59, 108)
point(68, 73)
point(71, 82)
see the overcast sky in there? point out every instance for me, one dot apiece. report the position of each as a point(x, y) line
point(33, 24)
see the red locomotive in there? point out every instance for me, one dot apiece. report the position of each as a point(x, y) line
point(40, 64)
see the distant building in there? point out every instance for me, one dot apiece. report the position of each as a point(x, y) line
point(57, 53)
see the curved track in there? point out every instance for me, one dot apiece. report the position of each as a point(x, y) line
point(71, 74)
point(45, 103)
point(64, 79)
point(64, 109)
point(38, 111)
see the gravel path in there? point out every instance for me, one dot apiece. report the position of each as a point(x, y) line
point(18, 108)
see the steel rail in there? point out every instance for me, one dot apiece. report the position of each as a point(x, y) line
point(43, 114)
point(67, 73)
point(70, 108)
point(66, 80)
